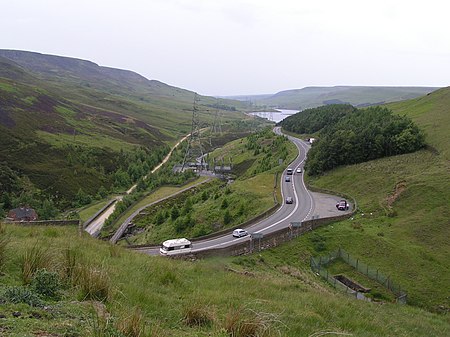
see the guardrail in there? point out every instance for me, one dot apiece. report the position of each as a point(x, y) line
point(270, 240)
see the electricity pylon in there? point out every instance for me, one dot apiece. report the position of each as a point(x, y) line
point(194, 155)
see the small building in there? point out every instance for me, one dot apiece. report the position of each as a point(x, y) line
point(22, 214)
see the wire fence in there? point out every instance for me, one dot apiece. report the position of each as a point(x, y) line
point(318, 265)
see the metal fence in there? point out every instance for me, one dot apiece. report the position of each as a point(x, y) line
point(318, 265)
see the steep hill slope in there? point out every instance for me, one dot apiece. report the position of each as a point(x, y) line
point(69, 124)
point(310, 97)
point(403, 223)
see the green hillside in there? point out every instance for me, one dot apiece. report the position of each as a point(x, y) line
point(68, 125)
point(402, 225)
point(124, 293)
point(311, 97)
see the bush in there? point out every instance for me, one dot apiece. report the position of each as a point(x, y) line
point(46, 283)
point(22, 295)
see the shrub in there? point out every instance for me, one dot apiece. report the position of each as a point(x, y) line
point(46, 283)
point(22, 295)
point(32, 260)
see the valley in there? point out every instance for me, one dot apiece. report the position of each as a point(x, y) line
point(76, 135)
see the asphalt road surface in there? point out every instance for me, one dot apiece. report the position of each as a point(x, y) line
point(303, 206)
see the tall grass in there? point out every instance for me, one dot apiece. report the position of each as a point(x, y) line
point(198, 315)
point(34, 258)
point(132, 325)
point(245, 322)
point(70, 260)
point(4, 240)
point(93, 282)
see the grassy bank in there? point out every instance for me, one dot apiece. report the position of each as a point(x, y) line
point(217, 297)
point(402, 226)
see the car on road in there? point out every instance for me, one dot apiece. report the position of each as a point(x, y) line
point(237, 233)
point(289, 200)
point(299, 170)
point(289, 171)
point(287, 179)
point(342, 205)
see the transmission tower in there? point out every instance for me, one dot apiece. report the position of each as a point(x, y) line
point(216, 127)
point(217, 123)
point(194, 156)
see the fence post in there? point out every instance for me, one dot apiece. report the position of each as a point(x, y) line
point(367, 273)
point(357, 260)
point(377, 276)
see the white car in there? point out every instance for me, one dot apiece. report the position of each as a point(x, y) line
point(299, 170)
point(237, 233)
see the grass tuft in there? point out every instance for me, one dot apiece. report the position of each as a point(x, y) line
point(94, 283)
point(34, 258)
point(70, 261)
point(198, 315)
point(245, 322)
point(4, 240)
point(132, 325)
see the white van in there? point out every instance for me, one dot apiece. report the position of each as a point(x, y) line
point(175, 246)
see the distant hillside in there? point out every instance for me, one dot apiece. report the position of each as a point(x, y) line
point(68, 124)
point(311, 97)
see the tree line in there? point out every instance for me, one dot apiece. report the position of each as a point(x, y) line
point(347, 135)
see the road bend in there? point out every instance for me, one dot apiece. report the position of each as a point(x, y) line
point(301, 209)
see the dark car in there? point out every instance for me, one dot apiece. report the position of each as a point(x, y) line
point(342, 205)
point(289, 200)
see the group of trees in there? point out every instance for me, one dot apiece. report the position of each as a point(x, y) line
point(273, 147)
point(16, 190)
point(348, 135)
point(119, 170)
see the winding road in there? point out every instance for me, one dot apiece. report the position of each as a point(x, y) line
point(303, 207)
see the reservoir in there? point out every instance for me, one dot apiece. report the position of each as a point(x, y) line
point(275, 116)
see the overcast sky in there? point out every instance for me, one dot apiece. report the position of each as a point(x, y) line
point(228, 47)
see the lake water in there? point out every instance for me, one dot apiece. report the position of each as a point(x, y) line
point(275, 116)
